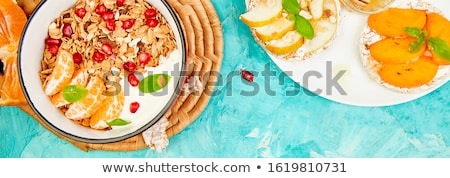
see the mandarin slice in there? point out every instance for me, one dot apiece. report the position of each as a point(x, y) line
point(61, 74)
point(80, 77)
point(12, 21)
point(438, 27)
point(409, 75)
point(111, 109)
point(86, 107)
point(392, 22)
point(394, 50)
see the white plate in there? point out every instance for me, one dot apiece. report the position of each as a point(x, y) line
point(343, 55)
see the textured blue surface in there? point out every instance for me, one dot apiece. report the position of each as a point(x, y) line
point(266, 125)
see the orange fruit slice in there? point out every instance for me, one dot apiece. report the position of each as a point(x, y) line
point(86, 107)
point(394, 50)
point(80, 78)
point(437, 26)
point(61, 75)
point(12, 21)
point(111, 109)
point(392, 22)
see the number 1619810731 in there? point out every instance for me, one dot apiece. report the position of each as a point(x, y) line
point(306, 167)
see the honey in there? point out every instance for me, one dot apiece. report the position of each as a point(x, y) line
point(367, 6)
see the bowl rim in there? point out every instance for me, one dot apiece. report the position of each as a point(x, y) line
point(166, 108)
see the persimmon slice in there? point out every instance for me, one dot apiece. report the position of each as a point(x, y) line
point(409, 75)
point(392, 22)
point(438, 27)
point(394, 50)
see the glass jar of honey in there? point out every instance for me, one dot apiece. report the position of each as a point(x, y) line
point(367, 6)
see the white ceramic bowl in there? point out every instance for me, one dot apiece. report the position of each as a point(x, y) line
point(153, 107)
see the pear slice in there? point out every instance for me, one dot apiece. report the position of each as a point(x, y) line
point(275, 30)
point(289, 43)
point(263, 13)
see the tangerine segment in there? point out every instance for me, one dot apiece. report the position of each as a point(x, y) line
point(86, 107)
point(12, 21)
point(392, 22)
point(410, 75)
point(80, 78)
point(111, 109)
point(394, 50)
point(438, 26)
point(61, 75)
point(10, 90)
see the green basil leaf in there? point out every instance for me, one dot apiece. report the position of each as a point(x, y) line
point(292, 18)
point(415, 46)
point(425, 33)
point(413, 32)
point(118, 122)
point(291, 6)
point(74, 93)
point(440, 47)
point(154, 83)
point(304, 27)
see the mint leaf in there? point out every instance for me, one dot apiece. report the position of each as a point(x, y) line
point(304, 27)
point(291, 6)
point(74, 93)
point(440, 47)
point(118, 122)
point(413, 32)
point(153, 83)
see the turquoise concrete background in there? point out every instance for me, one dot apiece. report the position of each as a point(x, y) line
point(265, 125)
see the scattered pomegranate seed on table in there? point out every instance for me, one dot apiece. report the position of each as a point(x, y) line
point(152, 22)
point(144, 58)
point(150, 13)
point(107, 49)
point(98, 56)
point(53, 49)
point(80, 12)
point(77, 58)
point(247, 75)
point(100, 9)
point(133, 80)
point(129, 66)
point(134, 106)
point(127, 24)
point(67, 30)
point(52, 41)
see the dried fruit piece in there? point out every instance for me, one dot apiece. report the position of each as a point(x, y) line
point(409, 75)
point(67, 30)
point(52, 41)
point(110, 25)
point(144, 58)
point(129, 66)
point(120, 3)
point(393, 21)
point(152, 22)
point(107, 49)
point(247, 75)
point(77, 58)
point(127, 24)
point(100, 9)
point(53, 49)
point(134, 106)
point(394, 50)
point(109, 15)
point(98, 57)
point(150, 13)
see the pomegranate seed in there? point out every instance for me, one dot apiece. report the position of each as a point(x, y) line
point(247, 75)
point(77, 58)
point(120, 2)
point(127, 24)
point(133, 80)
point(152, 22)
point(134, 106)
point(67, 30)
point(110, 25)
point(52, 41)
point(108, 15)
point(80, 12)
point(150, 13)
point(53, 49)
point(129, 66)
point(100, 9)
point(98, 57)
point(144, 58)
point(107, 49)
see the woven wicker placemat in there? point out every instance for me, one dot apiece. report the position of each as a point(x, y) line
point(203, 32)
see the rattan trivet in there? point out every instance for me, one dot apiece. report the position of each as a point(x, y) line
point(203, 31)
